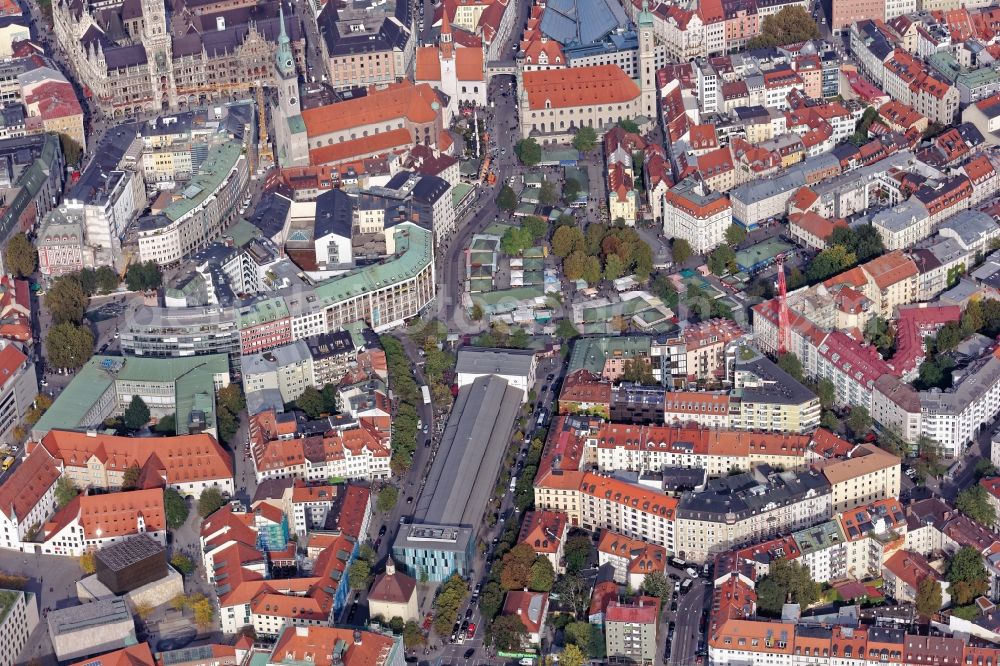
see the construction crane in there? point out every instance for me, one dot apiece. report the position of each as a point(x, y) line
point(783, 324)
point(264, 150)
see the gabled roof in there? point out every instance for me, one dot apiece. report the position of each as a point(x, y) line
point(579, 86)
point(26, 486)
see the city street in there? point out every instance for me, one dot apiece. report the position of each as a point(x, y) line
point(688, 629)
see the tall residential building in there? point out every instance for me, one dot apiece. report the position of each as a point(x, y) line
point(630, 631)
point(693, 212)
point(18, 618)
point(18, 388)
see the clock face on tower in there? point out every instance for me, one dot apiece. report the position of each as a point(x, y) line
point(288, 63)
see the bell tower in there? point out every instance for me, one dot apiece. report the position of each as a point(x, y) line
point(157, 40)
point(647, 62)
point(288, 79)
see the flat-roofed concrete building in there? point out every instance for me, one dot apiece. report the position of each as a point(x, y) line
point(18, 618)
point(80, 631)
point(447, 515)
point(517, 366)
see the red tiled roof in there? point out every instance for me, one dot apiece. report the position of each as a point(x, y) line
point(183, 459)
point(366, 146)
point(26, 485)
point(644, 610)
point(400, 100)
point(579, 86)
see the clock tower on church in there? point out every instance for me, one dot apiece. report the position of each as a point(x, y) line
point(157, 41)
point(288, 78)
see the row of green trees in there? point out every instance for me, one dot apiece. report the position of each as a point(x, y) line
point(404, 424)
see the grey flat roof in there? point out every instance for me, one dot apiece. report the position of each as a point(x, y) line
point(468, 460)
point(81, 618)
point(487, 361)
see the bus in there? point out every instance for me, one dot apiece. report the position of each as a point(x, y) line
point(7, 462)
point(426, 392)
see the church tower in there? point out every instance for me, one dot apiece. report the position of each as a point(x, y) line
point(159, 54)
point(290, 137)
point(288, 78)
point(446, 55)
point(647, 63)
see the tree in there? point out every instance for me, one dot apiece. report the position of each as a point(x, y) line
point(20, 255)
point(515, 240)
point(66, 490)
point(572, 656)
point(88, 562)
point(88, 280)
point(136, 414)
point(570, 192)
point(948, 337)
point(537, 227)
point(578, 633)
point(227, 424)
point(508, 632)
point(71, 149)
point(629, 125)
point(106, 279)
point(143, 277)
point(829, 421)
point(359, 574)
point(130, 479)
point(859, 421)
point(638, 371)
point(413, 637)
point(577, 552)
point(827, 393)
point(791, 25)
point(613, 268)
point(985, 468)
point(880, 334)
point(387, 498)
point(311, 402)
point(832, 260)
point(528, 151)
point(210, 501)
point(592, 270)
point(66, 300)
point(506, 200)
point(69, 346)
point(786, 580)
point(681, 250)
point(548, 194)
point(166, 425)
point(517, 567)
point(791, 364)
point(573, 591)
point(446, 604)
point(663, 286)
point(656, 584)
point(175, 508)
point(585, 139)
point(974, 502)
point(542, 575)
point(491, 600)
point(929, 597)
point(182, 563)
point(144, 610)
point(967, 575)
point(735, 234)
point(567, 240)
point(722, 260)
point(565, 330)
point(204, 613)
point(231, 397)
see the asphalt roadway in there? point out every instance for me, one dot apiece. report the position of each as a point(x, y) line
point(687, 631)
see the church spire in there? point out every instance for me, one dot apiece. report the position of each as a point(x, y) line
point(446, 43)
point(283, 59)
